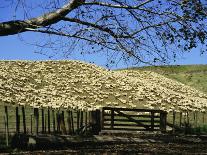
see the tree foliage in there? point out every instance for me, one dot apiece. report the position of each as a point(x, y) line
point(147, 31)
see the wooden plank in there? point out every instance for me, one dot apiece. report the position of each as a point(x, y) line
point(131, 115)
point(31, 123)
point(130, 121)
point(131, 109)
point(132, 125)
point(129, 129)
point(69, 122)
point(174, 114)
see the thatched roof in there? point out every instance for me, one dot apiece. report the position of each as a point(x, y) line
point(74, 84)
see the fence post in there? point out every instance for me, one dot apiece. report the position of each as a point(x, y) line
point(174, 114)
point(31, 123)
point(112, 118)
point(96, 121)
point(102, 119)
point(36, 116)
point(48, 113)
point(181, 119)
point(152, 120)
point(7, 125)
point(163, 121)
point(69, 123)
point(17, 120)
point(24, 119)
point(43, 118)
point(53, 120)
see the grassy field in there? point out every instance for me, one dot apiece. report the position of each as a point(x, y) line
point(192, 75)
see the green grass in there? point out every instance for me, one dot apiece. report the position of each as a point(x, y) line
point(192, 75)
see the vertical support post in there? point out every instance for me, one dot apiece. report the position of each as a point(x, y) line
point(174, 121)
point(81, 119)
point(17, 120)
point(112, 118)
point(72, 123)
point(181, 119)
point(62, 123)
point(69, 123)
point(7, 125)
point(48, 113)
point(203, 118)
point(96, 121)
point(163, 121)
point(36, 116)
point(58, 121)
point(45, 130)
point(152, 120)
point(86, 119)
point(78, 119)
point(31, 123)
point(43, 123)
point(53, 120)
point(103, 117)
point(24, 120)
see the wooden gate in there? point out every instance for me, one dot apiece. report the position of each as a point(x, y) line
point(133, 119)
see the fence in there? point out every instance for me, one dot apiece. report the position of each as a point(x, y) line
point(28, 120)
point(133, 119)
point(189, 121)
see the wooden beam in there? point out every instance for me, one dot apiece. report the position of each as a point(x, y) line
point(17, 120)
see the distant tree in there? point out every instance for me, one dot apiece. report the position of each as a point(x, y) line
point(147, 31)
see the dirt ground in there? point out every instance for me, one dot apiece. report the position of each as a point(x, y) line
point(117, 144)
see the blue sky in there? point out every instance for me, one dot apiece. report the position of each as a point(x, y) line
point(13, 48)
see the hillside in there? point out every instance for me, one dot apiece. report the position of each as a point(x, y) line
point(192, 75)
point(75, 84)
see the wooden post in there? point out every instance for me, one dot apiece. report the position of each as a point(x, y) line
point(58, 121)
point(81, 119)
point(24, 120)
point(45, 130)
point(31, 123)
point(152, 121)
point(203, 118)
point(78, 119)
point(112, 118)
point(72, 123)
point(102, 120)
point(62, 123)
point(69, 123)
point(43, 123)
point(17, 120)
point(48, 113)
point(174, 114)
point(181, 119)
point(196, 119)
point(163, 121)
point(96, 122)
point(53, 120)
point(36, 116)
point(7, 125)
point(86, 119)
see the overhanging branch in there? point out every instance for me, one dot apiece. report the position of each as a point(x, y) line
point(18, 26)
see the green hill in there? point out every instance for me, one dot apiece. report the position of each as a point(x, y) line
point(192, 75)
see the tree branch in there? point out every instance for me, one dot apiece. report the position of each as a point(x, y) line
point(18, 26)
point(117, 6)
point(100, 27)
